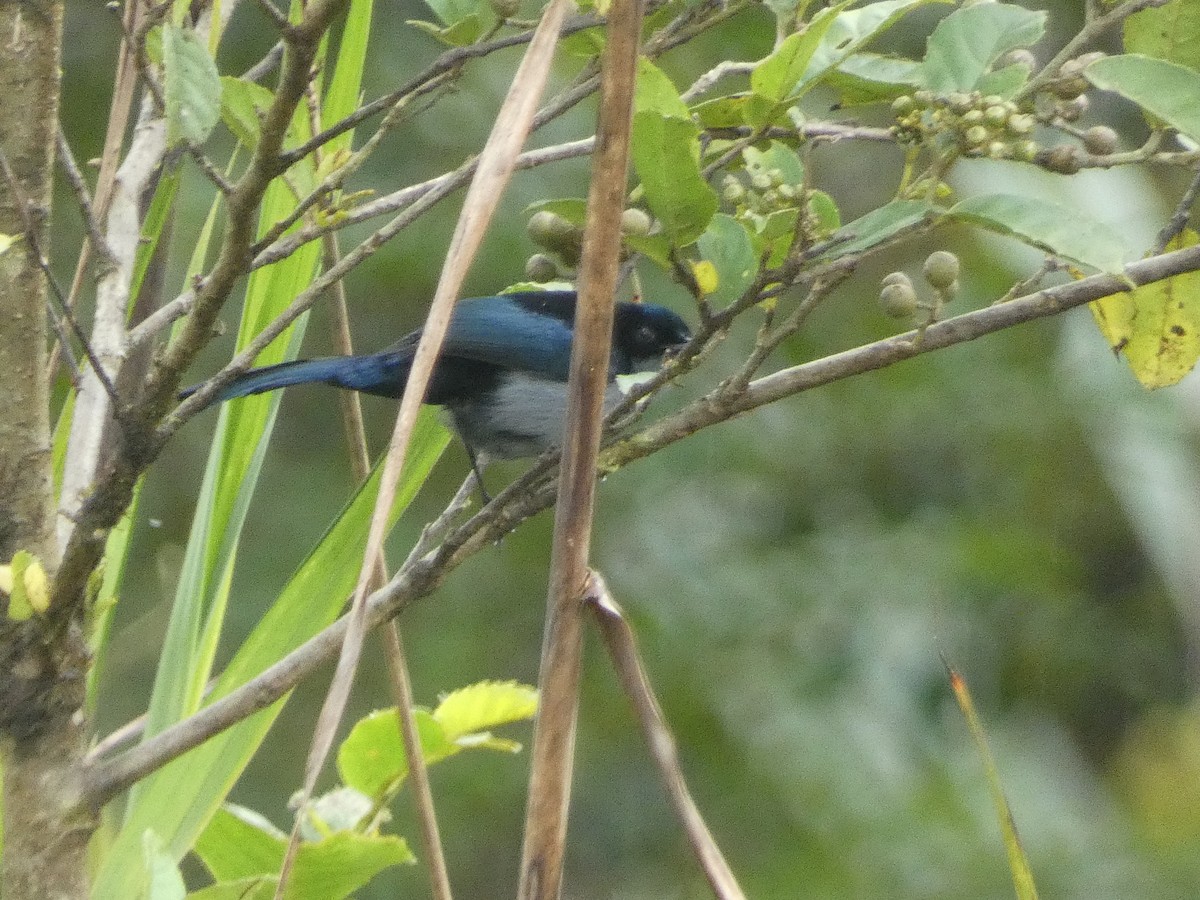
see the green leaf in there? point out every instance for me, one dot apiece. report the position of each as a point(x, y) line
point(454, 11)
point(879, 225)
point(261, 887)
point(191, 87)
point(870, 78)
point(459, 33)
point(1156, 326)
point(853, 28)
point(163, 881)
point(777, 156)
point(573, 209)
point(372, 758)
point(656, 93)
point(721, 112)
point(727, 246)
point(7, 240)
point(1006, 82)
point(776, 76)
point(666, 153)
point(327, 869)
point(239, 842)
point(964, 45)
point(242, 105)
point(825, 211)
point(1166, 90)
point(1057, 229)
point(1170, 32)
point(484, 705)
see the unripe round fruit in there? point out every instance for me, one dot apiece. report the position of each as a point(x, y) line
point(1100, 140)
point(541, 268)
point(898, 300)
point(1063, 159)
point(975, 135)
point(636, 222)
point(1022, 123)
point(941, 269)
point(1019, 57)
point(903, 105)
point(896, 278)
point(505, 9)
point(552, 231)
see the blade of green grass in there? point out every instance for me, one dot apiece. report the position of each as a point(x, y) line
point(1018, 863)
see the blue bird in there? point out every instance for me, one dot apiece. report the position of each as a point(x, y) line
point(502, 372)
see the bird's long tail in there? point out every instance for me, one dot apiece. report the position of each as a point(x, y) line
point(376, 374)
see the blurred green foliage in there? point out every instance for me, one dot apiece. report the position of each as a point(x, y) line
point(793, 575)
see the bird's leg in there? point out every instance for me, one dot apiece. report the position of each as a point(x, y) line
point(478, 470)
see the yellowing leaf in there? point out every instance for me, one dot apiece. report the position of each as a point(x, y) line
point(706, 276)
point(1156, 326)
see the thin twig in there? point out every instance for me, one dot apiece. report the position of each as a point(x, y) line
point(622, 649)
point(66, 159)
point(1179, 218)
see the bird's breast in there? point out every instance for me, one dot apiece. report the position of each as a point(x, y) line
point(521, 416)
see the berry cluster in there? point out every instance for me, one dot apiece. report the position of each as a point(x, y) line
point(562, 240)
point(898, 296)
point(769, 191)
point(980, 125)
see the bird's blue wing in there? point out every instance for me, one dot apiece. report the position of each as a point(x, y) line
point(526, 332)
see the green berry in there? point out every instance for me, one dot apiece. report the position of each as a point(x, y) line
point(940, 269)
point(636, 222)
point(1063, 159)
point(903, 105)
point(1022, 123)
point(898, 300)
point(541, 268)
point(995, 115)
point(1100, 140)
point(975, 135)
point(896, 278)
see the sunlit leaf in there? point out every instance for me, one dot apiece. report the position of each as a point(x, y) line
point(1170, 32)
point(776, 76)
point(372, 757)
point(485, 705)
point(1156, 326)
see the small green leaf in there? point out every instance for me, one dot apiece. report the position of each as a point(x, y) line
point(1156, 326)
point(655, 92)
point(964, 45)
point(453, 11)
point(7, 240)
point(191, 87)
point(1170, 32)
point(485, 705)
point(1006, 82)
point(239, 842)
point(1057, 229)
point(727, 246)
point(1166, 90)
point(331, 868)
point(261, 887)
point(242, 105)
point(721, 112)
point(666, 154)
point(776, 76)
point(880, 224)
point(573, 209)
point(825, 211)
point(853, 28)
point(462, 33)
point(372, 758)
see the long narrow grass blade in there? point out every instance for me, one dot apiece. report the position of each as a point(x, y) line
point(1018, 863)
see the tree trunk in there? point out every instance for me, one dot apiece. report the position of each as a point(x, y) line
point(42, 670)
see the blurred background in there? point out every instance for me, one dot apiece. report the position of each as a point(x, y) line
point(1016, 505)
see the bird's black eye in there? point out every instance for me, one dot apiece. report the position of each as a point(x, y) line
point(645, 336)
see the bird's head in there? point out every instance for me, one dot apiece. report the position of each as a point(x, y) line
point(644, 334)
